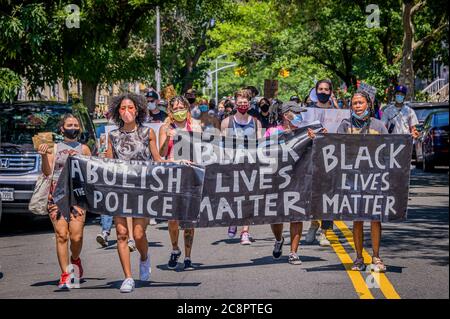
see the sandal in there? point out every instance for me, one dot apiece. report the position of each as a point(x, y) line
point(378, 265)
point(359, 265)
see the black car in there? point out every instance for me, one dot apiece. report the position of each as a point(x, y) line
point(422, 109)
point(20, 164)
point(433, 144)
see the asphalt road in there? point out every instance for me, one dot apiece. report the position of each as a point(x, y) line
point(416, 253)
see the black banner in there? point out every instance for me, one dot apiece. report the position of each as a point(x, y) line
point(130, 188)
point(361, 177)
point(284, 178)
point(250, 181)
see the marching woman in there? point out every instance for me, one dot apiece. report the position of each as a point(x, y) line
point(291, 120)
point(360, 122)
point(72, 229)
point(179, 118)
point(132, 141)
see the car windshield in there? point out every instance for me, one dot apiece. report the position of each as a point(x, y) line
point(422, 113)
point(441, 119)
point(18, 124)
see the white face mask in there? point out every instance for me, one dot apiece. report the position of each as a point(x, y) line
point(151, 106)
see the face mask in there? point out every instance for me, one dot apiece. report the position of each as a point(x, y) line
point(191, 100)
point(297, 120)
point(399, 98)
point(196, 113)
point(71, 133)
point(203, 108)
point(243, 109)
point(323, 97)
point(264, 107)
point(362, 116)
point(128, 117)
point(340, 104)
point(180, 116)
point(151, 106)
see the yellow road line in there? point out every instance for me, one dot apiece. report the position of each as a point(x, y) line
point(382, 280)
point(355, 276)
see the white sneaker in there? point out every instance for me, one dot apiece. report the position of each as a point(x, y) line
point(145, 269)
point(127, 285)
point(245, 238)
point(102, 239)
point(131, 245)
point(153, 222)
point(323, 241)
point(311, 235)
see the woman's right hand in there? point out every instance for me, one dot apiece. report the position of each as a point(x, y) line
point(43, 149)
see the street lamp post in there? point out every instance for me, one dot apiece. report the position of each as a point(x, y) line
point(158, 51)
point(216, 71)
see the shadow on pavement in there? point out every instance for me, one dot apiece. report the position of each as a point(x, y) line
point(343, 267)
point(139, 284)
point(268, 260)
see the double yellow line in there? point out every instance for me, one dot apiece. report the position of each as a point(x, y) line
point(358, 281)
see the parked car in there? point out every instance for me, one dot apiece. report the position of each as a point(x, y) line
point(422, 110)
point(433, 144)
point(20, 164)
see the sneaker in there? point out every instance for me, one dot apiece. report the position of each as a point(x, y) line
point(311, 235)
point(323, 241)
point(127, 285)
point(245, 238)
point(145, 269)
point(102, 239)
point(278, 248)
point(65, 281)
point(294, 259)
point(359, 265)
point(232, 230)
point(377, 265)
point(188, 264)
point(153, 222)
point(131, 245)
point(78, 270)
point(173, 261)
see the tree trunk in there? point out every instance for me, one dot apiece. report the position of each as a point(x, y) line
point(89, 90)
point(407, 68)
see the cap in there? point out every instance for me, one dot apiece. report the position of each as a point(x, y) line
point(152, 94)
point(191, 91)
point(401, 88)
point(294, 98)
point(292, 106)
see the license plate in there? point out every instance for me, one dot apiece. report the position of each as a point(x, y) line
point(7, 194)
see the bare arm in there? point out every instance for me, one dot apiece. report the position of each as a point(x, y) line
point(163, 140)
point(86, 150)
point(109, 152)
point(154, 148)
point(47, 159)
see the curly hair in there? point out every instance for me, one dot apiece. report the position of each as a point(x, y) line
point(139, 102)
point(172, 102)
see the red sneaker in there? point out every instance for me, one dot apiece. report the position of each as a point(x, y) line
point(78, 271)
point(65, 281)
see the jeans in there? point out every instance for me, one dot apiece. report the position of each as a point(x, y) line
point(106, 221)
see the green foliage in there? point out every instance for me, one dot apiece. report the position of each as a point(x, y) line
point(10, 82)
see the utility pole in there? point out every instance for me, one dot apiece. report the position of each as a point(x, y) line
point(158, 52)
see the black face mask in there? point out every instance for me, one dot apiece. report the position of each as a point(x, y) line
point(71, 133)
point(323, 97)
point(264, 107)
point(191, 100)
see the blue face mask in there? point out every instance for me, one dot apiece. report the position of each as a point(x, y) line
point(203, 108)
point(297, 120)
point(362, 116)
point(399, 98)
